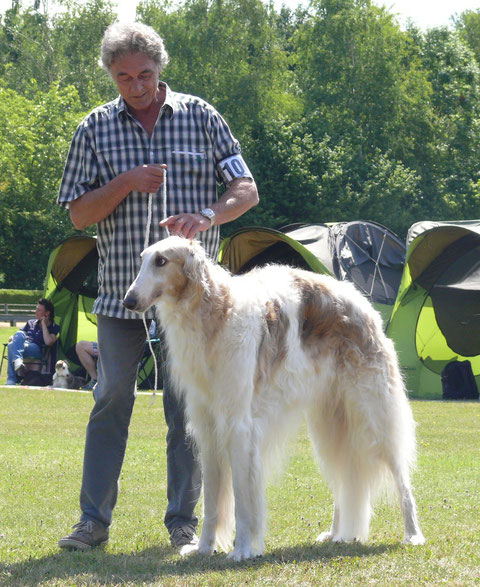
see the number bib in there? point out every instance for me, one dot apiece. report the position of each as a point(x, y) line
point(233, 167)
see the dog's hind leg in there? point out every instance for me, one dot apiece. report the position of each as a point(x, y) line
point(413, 534)
point(354, 507)
point(347, 471)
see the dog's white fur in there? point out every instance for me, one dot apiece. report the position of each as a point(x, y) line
point(63, 379)
point(254, 353)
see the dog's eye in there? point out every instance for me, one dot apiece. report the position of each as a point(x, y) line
point(160, 261)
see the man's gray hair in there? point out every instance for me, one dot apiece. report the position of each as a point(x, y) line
point(132, 37)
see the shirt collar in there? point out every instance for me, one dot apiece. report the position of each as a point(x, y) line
point(170, 103)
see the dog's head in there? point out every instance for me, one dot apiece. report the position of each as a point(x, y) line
point(168, 268)
point(61, 368)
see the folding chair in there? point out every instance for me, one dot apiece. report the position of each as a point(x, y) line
point(44, 365)
point(4, 354)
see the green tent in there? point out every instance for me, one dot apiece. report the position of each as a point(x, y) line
point(365, 253)
point(71, 285)
point(436, 317)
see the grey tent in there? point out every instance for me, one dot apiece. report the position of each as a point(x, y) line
point(365, 253)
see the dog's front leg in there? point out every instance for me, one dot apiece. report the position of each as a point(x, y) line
point(211, 489)
point(248, 492)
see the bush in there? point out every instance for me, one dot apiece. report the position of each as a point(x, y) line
point(20, 296)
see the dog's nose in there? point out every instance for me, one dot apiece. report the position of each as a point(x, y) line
point(130, 302)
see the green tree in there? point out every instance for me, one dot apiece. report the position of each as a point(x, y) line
point(455, 78)
point(35, 135)
point(63, 48)
point(76, 37)
point(26, 51)
point(468, 26)
point(366, 91)
point(227, 52)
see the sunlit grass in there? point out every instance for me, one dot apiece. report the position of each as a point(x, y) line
point(41, 452)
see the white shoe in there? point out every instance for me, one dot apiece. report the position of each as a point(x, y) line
point(19, 366)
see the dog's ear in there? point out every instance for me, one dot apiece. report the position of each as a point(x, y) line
point(196, 267)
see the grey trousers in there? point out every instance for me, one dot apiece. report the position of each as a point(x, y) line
point(121, 345)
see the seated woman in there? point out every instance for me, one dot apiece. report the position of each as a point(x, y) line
point(31, 340)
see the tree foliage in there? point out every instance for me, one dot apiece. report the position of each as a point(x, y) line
point(34, 134)
point(341, 114)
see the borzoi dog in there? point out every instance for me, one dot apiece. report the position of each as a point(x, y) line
point(254, 353)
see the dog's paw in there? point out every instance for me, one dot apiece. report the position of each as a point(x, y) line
point(240, 554)
point(205, 549)
point(416, 539)
point(324, 537)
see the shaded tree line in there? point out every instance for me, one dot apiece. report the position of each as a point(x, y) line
point(341, 114)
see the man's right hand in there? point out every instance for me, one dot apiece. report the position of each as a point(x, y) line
point(146, 178)
point(95, 205)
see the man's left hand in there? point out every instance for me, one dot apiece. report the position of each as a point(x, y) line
point(187, 225)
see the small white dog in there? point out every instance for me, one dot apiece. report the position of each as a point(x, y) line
point(254, 353)
point(63, 379)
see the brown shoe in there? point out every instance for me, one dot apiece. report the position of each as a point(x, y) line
point(86, 535)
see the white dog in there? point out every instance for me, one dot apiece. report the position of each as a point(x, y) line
point(63, 379)
point(254, 353)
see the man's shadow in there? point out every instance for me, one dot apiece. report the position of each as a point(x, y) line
point(151, 564)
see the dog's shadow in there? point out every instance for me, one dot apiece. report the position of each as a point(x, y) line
point(151, 564)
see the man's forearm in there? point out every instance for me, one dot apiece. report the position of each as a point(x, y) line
point(240, 196)
point(96, 205)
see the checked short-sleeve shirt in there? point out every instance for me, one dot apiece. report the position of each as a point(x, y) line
point(190, 136)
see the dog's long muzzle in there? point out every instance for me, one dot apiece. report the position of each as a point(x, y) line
point(130, 301)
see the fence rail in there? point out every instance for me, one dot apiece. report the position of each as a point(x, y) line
point(13, 313)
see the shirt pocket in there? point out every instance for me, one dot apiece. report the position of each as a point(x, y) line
point(190, 160)
point(190, 167)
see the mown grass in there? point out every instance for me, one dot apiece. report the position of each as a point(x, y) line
point(41, 451)
point(5, 333)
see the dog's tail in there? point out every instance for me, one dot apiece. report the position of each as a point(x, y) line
point(402, 425)
point(364, 435)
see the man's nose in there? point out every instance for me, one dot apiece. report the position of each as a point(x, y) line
point(137, 85)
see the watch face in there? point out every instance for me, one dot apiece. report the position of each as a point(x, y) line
point(208, 213)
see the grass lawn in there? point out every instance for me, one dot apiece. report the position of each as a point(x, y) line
point(5, 333)
point(41, 449)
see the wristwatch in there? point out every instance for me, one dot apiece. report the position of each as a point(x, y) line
point(210, 214)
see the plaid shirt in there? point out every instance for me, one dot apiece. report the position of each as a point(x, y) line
point(190, 136)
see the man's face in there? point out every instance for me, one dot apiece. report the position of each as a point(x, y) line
point(136, 76)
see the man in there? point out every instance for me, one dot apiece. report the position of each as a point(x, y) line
point(87, 352)
point(31, 340)
point(117, 158)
